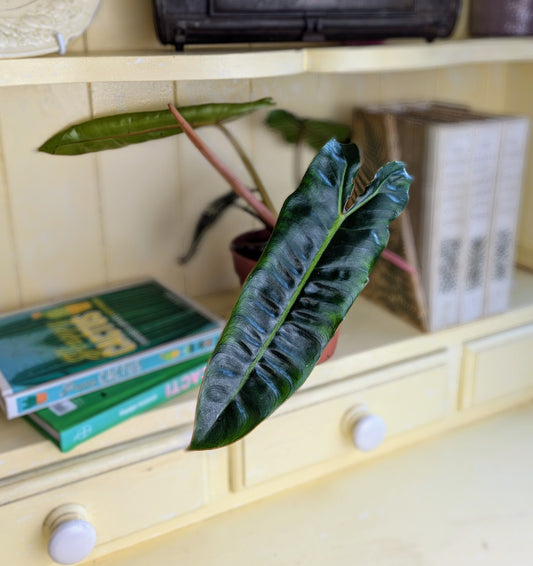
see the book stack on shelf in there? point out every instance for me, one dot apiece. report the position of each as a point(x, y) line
point(76, 368)
point(459, 230)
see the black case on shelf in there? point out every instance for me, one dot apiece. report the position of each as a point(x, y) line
point(180, 22)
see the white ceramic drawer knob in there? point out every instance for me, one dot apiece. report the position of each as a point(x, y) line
point(366, 429)
point(71, 537)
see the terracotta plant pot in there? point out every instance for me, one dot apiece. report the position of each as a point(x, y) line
point(245, 252)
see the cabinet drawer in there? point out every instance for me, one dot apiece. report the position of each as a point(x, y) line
point(498, 365)
point(417, 393)
point(119, 503)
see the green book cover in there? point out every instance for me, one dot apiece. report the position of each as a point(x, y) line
point(65, 350)
point(71, 422)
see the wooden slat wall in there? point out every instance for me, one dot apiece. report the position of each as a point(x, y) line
point(9, 281)
point(518, 99)
point(138, 185)
point(54, 208)
point(69, 224)
point(211, 268)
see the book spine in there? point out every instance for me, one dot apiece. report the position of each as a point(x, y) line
point(474, 259)
point(135, 405)
point(129, 367)
point(444, 220)
point(501, 255)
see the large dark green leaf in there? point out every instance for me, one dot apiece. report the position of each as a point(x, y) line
point(315, 265)
point(119, 130)
point(314, 133)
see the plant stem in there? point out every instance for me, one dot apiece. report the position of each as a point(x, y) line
point(249, 166)
point(398, 261)
point(266, 215)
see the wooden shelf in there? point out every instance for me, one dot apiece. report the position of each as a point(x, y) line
point(226, 64)
point(370, 337)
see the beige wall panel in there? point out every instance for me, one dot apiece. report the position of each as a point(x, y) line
point(53, 199)
point(122, 25)
point(479, 85)
point(349, 90)
point(495, 95)
point(211, 268)
point(9, 290)
point(518, 100)
point(476, 85)
point(139, 188)
point(301, 95)
point(409, 86)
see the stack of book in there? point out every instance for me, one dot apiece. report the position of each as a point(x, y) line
point(76, 368)
point(458, 233)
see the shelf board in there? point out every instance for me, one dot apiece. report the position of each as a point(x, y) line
point(370, 338)
point(242, 64)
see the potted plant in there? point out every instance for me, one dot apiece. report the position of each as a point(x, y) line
point(324, 242)
point(120, 130)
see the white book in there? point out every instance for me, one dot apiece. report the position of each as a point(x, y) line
point(479, 202)
point(437, 141)
point(505, 213)
point(448, 162)
point(438, 149)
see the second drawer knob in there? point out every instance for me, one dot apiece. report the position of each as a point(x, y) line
point(71, 537)
point(366, 429)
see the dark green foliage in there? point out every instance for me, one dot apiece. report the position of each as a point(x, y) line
point(314, 133)
point(315, 265)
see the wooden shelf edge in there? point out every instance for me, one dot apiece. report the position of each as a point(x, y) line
point(224, 64)
point(372, 338)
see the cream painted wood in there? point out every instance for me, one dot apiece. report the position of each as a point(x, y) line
point(320, 432)
point(92, 464)
point(211, 268)
point(53, 203)
point(24, 449)
point(9, 287)
point(517, 86)
point(453, 499)
point(498, 365)
point(305, 95)
point(120, 503)
point(129, 232)
point(243, 64)
point(117, 229)
point(370, 338)
point(411, 85)
point(139, 190)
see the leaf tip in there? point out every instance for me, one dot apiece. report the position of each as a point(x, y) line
point(47, 147)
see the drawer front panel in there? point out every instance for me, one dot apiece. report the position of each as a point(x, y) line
point(317, 433)
point(119, 503)
point(499, 365)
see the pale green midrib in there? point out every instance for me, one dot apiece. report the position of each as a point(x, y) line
point(165, 127)
point(127, 135)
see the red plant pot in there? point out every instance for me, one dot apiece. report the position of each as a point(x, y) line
point(245, 252)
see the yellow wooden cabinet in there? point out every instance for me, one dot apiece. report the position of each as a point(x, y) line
point(488, 373)
point(72, 224)
point(322, 428)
